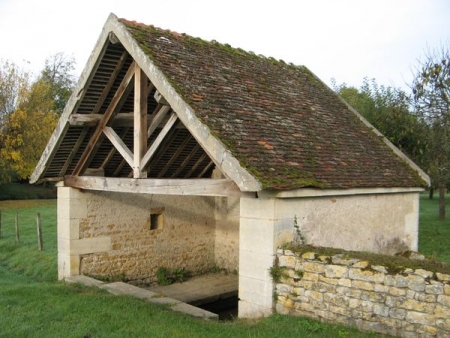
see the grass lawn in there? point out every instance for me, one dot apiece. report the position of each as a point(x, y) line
point(434, 234)
point(34, 304)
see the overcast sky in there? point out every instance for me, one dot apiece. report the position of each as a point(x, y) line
point(342, 39)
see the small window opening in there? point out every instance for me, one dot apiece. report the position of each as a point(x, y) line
point(156, 218)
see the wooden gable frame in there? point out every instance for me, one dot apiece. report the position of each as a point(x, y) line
point(170, 113)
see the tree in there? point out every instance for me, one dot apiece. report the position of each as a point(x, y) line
point(30, 116)
point(57, 73)
point(14, 83)
point(431, 90)
point(388, 110)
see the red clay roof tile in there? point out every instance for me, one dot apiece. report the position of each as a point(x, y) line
point(284, 125)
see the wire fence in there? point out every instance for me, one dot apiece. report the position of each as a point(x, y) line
point(12, 220)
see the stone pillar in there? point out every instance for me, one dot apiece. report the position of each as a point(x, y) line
point(72, 207)
point(260, 233)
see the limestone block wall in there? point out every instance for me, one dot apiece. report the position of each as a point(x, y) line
point(184, 239)
point(226, 243)
point(352, 292)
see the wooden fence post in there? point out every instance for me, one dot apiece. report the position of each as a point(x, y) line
point(39, 231)
point(16, 226)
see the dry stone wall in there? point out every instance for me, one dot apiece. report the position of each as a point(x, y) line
point(352, 292)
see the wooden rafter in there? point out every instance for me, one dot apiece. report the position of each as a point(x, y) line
point(174, 156)
point(196, 187)
point(92, 144)
point(157, 142)
point(197, 163)
point(186, 160)
point(113, 150)
point(110, 82)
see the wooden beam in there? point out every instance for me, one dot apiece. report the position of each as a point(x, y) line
point(192, 187)
point(158, 116)
point(174, 156)
point(85, 158)
point(186, 161)
point(113, 150)
point(119, 144)
point(122, 120)
point(156, 143)
point(140, 121)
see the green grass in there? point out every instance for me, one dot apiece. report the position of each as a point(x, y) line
point(434, 234)
point(34, 304)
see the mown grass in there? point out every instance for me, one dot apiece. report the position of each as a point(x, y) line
point(434, 234)
point(34, 304)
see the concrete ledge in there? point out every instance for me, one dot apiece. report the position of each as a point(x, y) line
point(120, 288)
point(88, 281)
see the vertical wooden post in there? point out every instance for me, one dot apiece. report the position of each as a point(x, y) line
point(16, 226)
point(39, 231)
point(140, 121)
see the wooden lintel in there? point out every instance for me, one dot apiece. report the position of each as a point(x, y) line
point(192, 187)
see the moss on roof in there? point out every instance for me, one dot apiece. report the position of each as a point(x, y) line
point(285, 126)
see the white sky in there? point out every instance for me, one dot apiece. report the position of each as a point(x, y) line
point(344, 39)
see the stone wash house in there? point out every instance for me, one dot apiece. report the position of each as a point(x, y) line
point(183, 153)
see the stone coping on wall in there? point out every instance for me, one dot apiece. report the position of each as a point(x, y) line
point(351, 291)
point(121, 288)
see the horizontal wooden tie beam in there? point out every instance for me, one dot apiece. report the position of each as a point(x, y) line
point(192, 187)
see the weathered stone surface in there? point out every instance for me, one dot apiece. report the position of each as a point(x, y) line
point(411, 304)
point(309, 255)
point(310, 276)
point(345, 282)
point(314, 295)
point(420, 318)
point(379, 268)
point(313, 267)
point(423, 273)
point(445, 300)
point(361, 265)
point(416, 283)
point(447, 289)
point(336, 271)
point(287, 261)
point(405, 305)
point(397, 291)
point(437, 289)
point(331, 281)
point(442, 311)
point(362, 285)
point(442, 277)
point(397, 313)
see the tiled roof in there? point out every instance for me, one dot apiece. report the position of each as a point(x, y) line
point(284, 125)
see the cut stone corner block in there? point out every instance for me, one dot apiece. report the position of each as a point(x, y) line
point(251, 310)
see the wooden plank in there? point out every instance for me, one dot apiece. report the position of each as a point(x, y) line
point(156, 143)
point(197, 163)
point(119, 145)
point(192, 187)
point(113, 150)
point(83, 162)
point(140, 121)
point(73, 152)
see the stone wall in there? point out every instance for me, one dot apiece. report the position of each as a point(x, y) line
point(184, 239)
point(352, 292)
